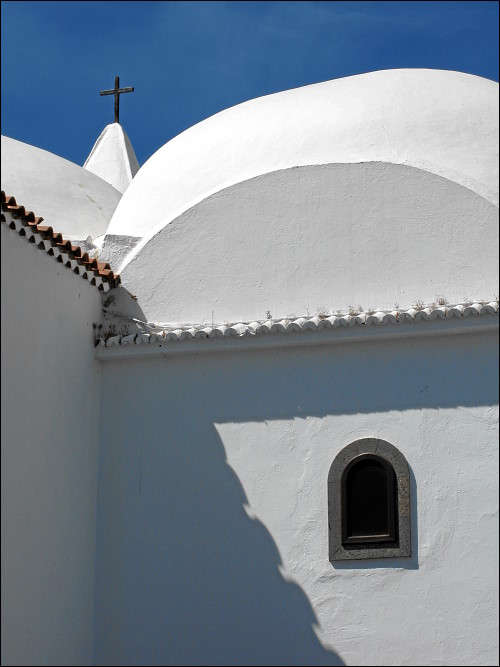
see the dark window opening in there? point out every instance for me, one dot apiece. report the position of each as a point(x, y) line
point(369, 498)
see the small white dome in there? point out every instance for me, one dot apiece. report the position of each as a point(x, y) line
point(71, 199)
point(442, 122)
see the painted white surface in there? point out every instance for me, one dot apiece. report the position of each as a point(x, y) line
point(112, 158)
point(319, 238)
point(440, 121)
point(212, 525)
point(71, 199)
point(50, 405)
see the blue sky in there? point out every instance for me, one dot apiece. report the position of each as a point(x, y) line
point(189, 60)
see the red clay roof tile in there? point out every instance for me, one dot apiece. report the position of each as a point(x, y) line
point(90, 267)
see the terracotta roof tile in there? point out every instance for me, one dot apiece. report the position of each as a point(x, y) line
point(25, 222)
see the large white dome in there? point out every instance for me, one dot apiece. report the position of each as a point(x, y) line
point(376, 189)
point(442, 122)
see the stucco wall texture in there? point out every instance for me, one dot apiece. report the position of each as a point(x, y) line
point(212, 525)
point(50, 406)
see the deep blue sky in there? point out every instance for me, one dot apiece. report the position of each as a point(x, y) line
point(189, 60)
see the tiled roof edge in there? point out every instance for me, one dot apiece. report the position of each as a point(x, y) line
point(28, 225)
point(154, 334)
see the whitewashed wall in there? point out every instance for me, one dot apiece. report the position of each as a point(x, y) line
point(50, 403)
point(212, 525)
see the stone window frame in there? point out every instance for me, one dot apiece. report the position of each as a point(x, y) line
point(378, 448)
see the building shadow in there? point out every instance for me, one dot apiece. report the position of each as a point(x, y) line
point(185, 575)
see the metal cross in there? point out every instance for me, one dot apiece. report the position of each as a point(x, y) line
point(117, 91)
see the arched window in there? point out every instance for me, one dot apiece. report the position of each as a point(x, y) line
point(369, 502)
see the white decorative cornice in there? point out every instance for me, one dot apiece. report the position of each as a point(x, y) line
point(158, 334)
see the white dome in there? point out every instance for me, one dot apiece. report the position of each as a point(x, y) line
point(442, 122)
point(71, 199)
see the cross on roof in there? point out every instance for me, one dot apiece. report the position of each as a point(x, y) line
point(117, 91)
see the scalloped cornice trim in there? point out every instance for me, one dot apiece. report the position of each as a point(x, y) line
point(175, 333)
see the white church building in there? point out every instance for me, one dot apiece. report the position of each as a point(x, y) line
point(250, 390)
